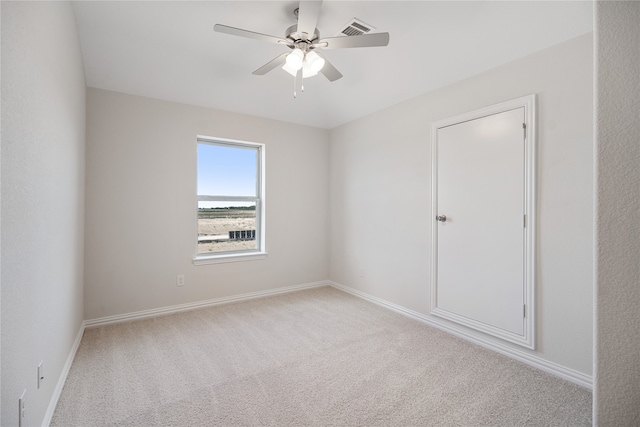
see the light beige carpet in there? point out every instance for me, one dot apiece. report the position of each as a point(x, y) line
point(318, 357)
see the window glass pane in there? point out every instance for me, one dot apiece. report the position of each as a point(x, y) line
point(226, 226)
point(227, 170)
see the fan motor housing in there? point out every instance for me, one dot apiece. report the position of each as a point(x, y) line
point(296, 37)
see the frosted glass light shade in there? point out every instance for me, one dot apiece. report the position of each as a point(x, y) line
point(307, 71)
point(290, 70)
point(295, 58)
point(315, 61)
point(311, 63)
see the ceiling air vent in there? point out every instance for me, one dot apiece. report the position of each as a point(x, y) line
point(355, 27)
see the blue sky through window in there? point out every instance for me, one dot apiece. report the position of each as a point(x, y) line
point(226, 171)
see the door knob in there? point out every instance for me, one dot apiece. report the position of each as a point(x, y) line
point(442, 218)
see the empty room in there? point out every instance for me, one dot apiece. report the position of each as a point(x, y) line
point(246, 212)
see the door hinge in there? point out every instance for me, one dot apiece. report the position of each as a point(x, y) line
point(524, 131)
point(524, 310)
point(524, 221)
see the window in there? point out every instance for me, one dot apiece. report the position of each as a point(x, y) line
point(230, 200)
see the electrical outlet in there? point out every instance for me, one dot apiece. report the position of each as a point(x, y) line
point(22, 412)
point(180, 280)
point(361, 271)
point(40, 373)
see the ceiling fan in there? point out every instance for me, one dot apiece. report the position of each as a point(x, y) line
point(303, 39)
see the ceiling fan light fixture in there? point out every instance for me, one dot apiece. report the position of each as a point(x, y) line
point(314, 61)
point(307, 71)
point(295, 59)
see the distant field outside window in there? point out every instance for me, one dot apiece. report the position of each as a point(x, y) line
point(229, 197)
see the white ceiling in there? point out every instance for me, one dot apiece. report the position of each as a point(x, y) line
point(168, 50)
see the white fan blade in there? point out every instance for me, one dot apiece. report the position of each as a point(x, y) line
point(274, 63)
point(249, 34)
point(364, 40)
point(308, 13)
point(330, 72)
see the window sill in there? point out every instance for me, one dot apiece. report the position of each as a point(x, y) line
point(217, 259)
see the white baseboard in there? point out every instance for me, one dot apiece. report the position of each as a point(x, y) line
point(62, 378)
point(199, 304)
point(568, 374)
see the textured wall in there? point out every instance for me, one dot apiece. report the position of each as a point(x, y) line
point(381, 193)
point(141, 199)
point(617, 358)
point(43, 132)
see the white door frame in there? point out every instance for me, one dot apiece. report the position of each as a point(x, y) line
point(529, 134)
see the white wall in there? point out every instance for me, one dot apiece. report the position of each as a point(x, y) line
point(617, 361)
point(141, 218)
point(43, 134)
point(380, 190)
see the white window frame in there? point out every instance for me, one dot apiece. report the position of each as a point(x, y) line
point(259, 199)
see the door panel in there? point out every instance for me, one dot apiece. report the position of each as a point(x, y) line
point(480, 249)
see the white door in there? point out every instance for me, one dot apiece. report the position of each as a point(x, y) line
point(480, 248)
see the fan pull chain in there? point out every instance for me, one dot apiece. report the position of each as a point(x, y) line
point(295, 84)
